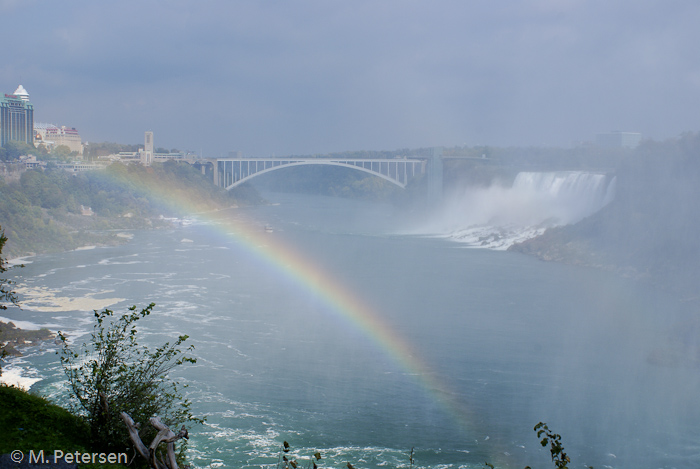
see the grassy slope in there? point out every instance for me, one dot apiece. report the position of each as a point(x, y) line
point(29, 422)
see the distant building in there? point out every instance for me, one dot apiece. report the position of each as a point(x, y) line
point(79, 167)
point(147, 153)
point(30, 162)
point(16, 118)
point(52, 136)
point(619, 139)
point(163, 157)
point(40, 132)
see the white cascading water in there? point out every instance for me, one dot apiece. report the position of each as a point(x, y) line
point(497, 217)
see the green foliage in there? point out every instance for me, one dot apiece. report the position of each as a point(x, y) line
point(28, 208)
point(14, 149)
point(29, 422)
point(559, 457)
point(62, 152)
point(42, 211)
point(556, 449)
point(113, 373)
point(7, 294)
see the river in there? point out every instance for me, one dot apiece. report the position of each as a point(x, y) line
point(338, 332)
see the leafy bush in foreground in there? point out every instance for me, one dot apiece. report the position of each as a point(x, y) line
point(113, 373)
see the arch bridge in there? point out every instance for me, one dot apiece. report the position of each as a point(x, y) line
point(232, 172)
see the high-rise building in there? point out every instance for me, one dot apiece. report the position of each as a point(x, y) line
point(16, 118)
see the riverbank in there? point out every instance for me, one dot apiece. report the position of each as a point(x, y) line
point(12, 337)
point(53, 211)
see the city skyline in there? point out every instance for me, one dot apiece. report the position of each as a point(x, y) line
point(318, 77)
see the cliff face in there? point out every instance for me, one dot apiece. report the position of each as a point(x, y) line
point(651, 230)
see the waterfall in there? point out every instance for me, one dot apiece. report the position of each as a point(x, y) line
point(569, 196)
point(498, 216)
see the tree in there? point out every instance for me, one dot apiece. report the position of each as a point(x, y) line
point(7, 294)
point(61, 152)
point(14, 149)
point(113, 373)
point(559, 457)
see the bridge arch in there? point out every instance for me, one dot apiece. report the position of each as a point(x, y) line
point(232, 172)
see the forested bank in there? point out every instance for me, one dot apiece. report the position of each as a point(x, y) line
point(651, 228)
point(52, 210)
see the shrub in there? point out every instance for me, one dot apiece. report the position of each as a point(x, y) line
point(113, 373)
point(7, 294)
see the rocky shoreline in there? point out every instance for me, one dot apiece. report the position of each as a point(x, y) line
point(561, 245)
point(14, 338)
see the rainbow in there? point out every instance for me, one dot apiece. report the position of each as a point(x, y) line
point(282, 259)
point(345, 305)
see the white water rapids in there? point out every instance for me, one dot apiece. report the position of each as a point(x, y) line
point(497, 217)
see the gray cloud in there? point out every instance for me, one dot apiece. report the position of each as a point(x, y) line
point(318, 76)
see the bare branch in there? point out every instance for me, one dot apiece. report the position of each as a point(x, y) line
point(134, 435)
point(165, 435)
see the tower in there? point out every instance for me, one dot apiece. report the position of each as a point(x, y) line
point(147, 155)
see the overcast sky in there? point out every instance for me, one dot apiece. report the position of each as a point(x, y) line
point(298, 77)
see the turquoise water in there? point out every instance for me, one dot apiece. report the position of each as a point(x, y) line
point(607, 362)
